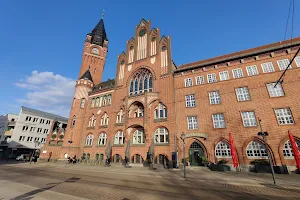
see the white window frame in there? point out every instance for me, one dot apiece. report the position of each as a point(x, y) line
point(223, 150)
point(249, 119)
point(102, 139)
point(211, 78)
point(288, 151)
point(190, 101)
point(89, 140)
point(214, 97)
point(242, 94)
point(161, 136)
point(283, 63)
point(199, 80)
point(138, 137)
point(256, 149)
point(267, 67)
point(219, 120)
point(224, 75)
point(104, 120)
point(275, 91)
point(188, 82)
point(297, 61)
point(82, 102)
point(160, 112)
point(119, 138)
point(192, 122)
point(237, 73)
point(252, 70)
point(284, 116)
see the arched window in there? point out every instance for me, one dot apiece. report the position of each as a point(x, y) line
point(97, 156)
point(109, 99)
point(119, 138)
point(161, 111)
point(222, 150)
point(161, 135)
point(120, 116)
point(104, 101)
point(141, 82)
point(82, 103)
point(138, 137)
point(73, 104)
point(92, 121)
point(256, 150)
point(97, 102)
point(89, 140)
point(74, 120)
point(93, 103)
point(104, 120)
point(88, 156)
point(102, 139)
point(288, 151)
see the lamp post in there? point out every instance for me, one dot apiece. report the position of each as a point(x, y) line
point(264, 134)
point(182, 137)
point(70, 142)
point(36, 143)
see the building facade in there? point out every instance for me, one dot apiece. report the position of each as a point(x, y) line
point(153, 101)
point(29, 130)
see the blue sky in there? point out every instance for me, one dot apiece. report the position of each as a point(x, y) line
point(41, 42)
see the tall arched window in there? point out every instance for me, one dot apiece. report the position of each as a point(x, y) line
point(92, 121)
point(102, 139)
point(120, 116)
point(119, 138)
point(104, 101)
point(93, 103)
point(141, 82)
point(161, 135)
point(74, 120)
point(161, 111)
point(256, 150)
point(82, 103)
point(222, 150)
point(138, 137)
point(89, 140)
point(288, 151)
point(109, 99)
point(104, 120)
point(97, 102)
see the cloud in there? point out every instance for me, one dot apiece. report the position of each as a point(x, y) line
point(48, 92)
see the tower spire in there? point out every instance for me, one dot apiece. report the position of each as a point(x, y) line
point(103, 13)
point(99, 34)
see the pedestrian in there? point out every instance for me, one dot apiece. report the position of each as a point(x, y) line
point(74, 159)
point(50, 154)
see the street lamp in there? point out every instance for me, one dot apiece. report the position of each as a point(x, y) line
point(264, 134)
point(182, 137)
point(70, 142)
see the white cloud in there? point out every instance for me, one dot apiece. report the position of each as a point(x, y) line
point(48, 92)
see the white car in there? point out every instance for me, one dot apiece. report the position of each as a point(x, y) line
point(20, 158)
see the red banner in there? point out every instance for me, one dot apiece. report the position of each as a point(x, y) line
point(295, 149)
point(233, 152)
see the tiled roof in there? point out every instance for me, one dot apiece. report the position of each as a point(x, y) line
point(87, 75)
point(104, 85)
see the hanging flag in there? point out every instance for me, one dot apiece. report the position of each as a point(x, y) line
point(295, 149)
point(233, 152)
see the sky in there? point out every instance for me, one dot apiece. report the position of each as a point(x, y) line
point(41, 42)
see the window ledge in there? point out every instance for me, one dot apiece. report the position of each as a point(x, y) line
point(251, 126)
point(89, 128)
point(161, 144)
point(118, 145)
point(120, 124)
point(101, 145)
point(137, 145)
point(85, 146)
point(103, 126)
point(161, 120)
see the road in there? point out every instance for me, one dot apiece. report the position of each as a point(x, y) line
point(45, 181)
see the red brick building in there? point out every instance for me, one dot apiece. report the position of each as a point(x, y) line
point(151, 100)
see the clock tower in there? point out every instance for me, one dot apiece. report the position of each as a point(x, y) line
point(94, 53)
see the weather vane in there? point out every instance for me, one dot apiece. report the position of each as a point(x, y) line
point(103, 13)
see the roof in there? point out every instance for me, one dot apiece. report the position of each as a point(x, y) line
point(44, 114)
point(99, 34)
point(241, 54)
point(87, 75)
point(104, 85)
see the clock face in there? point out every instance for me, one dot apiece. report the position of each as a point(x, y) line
point(142, 32)
point(95, 51)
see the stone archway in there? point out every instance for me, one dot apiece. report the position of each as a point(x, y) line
point(196, 153)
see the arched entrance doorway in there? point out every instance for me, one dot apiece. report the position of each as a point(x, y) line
point(196, 152)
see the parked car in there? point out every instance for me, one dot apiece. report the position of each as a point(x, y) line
point(21, 157)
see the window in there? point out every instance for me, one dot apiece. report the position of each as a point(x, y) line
point(32, 129)
point(190, 101)
point(48, 122)
point(39, 130)
point(141, 82)
point(237, 73)
point(267, 67)
point(89, 140)
point(242, 94)
point(22, 138)
point(256, 150)
point(211, 78)
point(42, 121)
point(82, 103)
point(104, 120)
point(283, 64)
point(36, 139)
point(97, 102)
point(43, 140)
point(222, 150)
point(214, 97)
point(73, 121)
point(138, 137)
point(92, 121)
point(102, 139)
point(252, 70)
point(45, 131)
point(109, 99)
point(218, 120)
point(192, 122)
point(120, 116)
point(119, 138)
point(161, 136)
point(29, 139)
point(104, 101)
point(275, 91)
point(93, 103)
point(284, 116)
point(35, 119)
point(188, 82)
point(161, 111)
point(28, 118)
point(139, 112)
point(288, 151)
point(249, 119)
point(25, 128)
point(224, 75)
point(297, 60)
point(199, 80)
